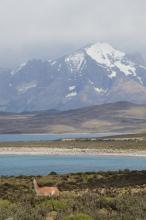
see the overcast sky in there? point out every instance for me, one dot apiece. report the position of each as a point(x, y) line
point(51, 28)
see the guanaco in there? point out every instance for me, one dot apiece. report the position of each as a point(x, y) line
point(46, 190)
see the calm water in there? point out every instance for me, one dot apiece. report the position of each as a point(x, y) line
point(45, 137)
point(42, 165)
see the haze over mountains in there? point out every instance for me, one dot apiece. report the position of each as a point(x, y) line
point(92, 75)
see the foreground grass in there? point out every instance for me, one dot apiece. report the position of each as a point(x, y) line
point(84, 196)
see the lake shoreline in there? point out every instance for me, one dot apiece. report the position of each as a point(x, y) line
point(70, 151)
point(122, 145)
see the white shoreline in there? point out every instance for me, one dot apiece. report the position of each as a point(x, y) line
point(69, 152)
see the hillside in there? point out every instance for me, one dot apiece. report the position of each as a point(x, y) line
point(112, 117)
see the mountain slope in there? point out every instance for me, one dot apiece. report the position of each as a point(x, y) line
point(112, 117)
point(93, 75)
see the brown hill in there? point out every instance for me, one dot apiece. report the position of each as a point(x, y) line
point(112, 117)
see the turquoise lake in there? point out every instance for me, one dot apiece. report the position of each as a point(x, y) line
point(42, 165)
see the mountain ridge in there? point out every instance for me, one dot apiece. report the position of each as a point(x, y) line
point(92, 75)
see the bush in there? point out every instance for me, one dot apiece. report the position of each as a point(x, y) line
point(53, 173)
point(53, 204)
point(23, 212)
point(4, 203)
point(79, 216)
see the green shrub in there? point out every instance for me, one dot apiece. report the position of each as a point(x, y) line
point(53, 173)
point(4, 203)
point(53, 204)
point(79, 216)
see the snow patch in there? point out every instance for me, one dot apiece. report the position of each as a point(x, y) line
point(75, 61)
point(72, 88)
point(97, 89)
point(112, 75)
point(71, 94)
point(127, 69)
point(91, 82)
point(144, 67)
point(26, 86)
point(18, 69)
point(100, 90)
point(53, 63)
point(140, 79)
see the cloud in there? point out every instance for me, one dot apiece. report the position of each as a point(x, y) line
point(45, 28)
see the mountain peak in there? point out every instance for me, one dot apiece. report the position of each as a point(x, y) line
point(112, 59)
point(104, 53)
point(105, 48)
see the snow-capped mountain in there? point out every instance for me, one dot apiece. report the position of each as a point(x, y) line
point(92, 75)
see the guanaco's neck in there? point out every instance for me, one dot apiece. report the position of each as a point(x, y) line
point(35, 185)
